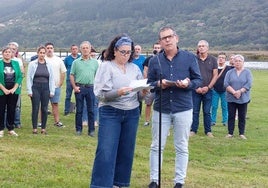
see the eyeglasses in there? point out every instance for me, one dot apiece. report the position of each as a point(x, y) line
point(167, 37)
point(125, 52)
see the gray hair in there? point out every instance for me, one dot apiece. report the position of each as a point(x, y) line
point(203, 41)
point(85, 42)
point(238, 56)
point(5, 48)
point(14, 43)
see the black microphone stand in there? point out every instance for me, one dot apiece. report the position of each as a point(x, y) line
point(160, 131)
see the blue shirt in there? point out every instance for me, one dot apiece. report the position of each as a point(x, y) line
point(244, 80)
point(184, 64)
point(139, 61)
point(68, 61)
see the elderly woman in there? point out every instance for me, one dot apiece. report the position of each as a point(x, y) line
point(40, 87)
point(10, 80)
point(118, 115)
point(238, 82)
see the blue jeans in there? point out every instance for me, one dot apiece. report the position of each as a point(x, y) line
point(116, 145)
point(206, 101)
point(182, 123)
point(216, 96)
point(96, 110)
point(85, 94)
point(84, 115)
point(69, 91)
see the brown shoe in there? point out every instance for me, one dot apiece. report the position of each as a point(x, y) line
point(35, 131)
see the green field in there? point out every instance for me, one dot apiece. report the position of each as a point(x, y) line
point(62, 159)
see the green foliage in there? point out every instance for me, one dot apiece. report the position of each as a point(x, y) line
point(236, 25)
point(62, 159)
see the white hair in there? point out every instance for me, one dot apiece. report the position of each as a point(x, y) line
point(238, 56)
point(14, 43)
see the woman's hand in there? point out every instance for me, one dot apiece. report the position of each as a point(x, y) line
point(12, 91)
point(237, 94)
point(6, 91)
point(124, 91)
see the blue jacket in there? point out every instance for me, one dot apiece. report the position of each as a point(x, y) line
point(184, 64)
point(30, 76)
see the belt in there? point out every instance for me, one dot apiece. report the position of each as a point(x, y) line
point(84, 85)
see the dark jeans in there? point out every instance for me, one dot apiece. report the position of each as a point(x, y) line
point(206, 101)
point(96, 110)
point(69, 91)
point(116, 145)
point(86, 93)
point(8, 104)
point(242, 111)
point(18, 112)
point(40, 95)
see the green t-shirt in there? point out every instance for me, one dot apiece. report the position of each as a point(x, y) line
point(84, 70)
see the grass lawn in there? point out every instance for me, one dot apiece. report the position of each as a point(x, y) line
point(62, 159)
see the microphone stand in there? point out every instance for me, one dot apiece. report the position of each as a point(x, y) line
point(160, 132)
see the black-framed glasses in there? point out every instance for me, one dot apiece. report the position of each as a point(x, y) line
point(167, 37)
point(125, 52)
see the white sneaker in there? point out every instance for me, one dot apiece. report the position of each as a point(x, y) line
point(1, 134)
point(147, 123)
point(84, 123)
point(229, 136)
point(192, 133)
point(242, 137)
point(12, 133)
point(209, 134)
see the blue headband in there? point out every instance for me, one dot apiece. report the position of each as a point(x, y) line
point(123, 41)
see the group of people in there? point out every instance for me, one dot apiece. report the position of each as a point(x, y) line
point(181, 81)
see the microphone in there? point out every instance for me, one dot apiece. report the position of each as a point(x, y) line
point(160, 67)
point(160, 122)
point(155, 52)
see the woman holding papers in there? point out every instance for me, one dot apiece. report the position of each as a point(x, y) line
point(118, 115)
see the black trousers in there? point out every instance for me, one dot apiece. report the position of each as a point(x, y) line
point(40, 96)
point(8, 104)
point(242, 111)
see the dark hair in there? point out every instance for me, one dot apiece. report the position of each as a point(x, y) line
point(102, 55)
point(166, 28)
point(49, 43)
point(222, 53)
point(156, 43)
point(110, 50)
point(73, 45)
point(93, 49)
point(40, 48)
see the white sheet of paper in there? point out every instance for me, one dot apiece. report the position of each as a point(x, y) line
point(139, 85)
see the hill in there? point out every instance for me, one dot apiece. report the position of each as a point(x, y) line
point(228, 25)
